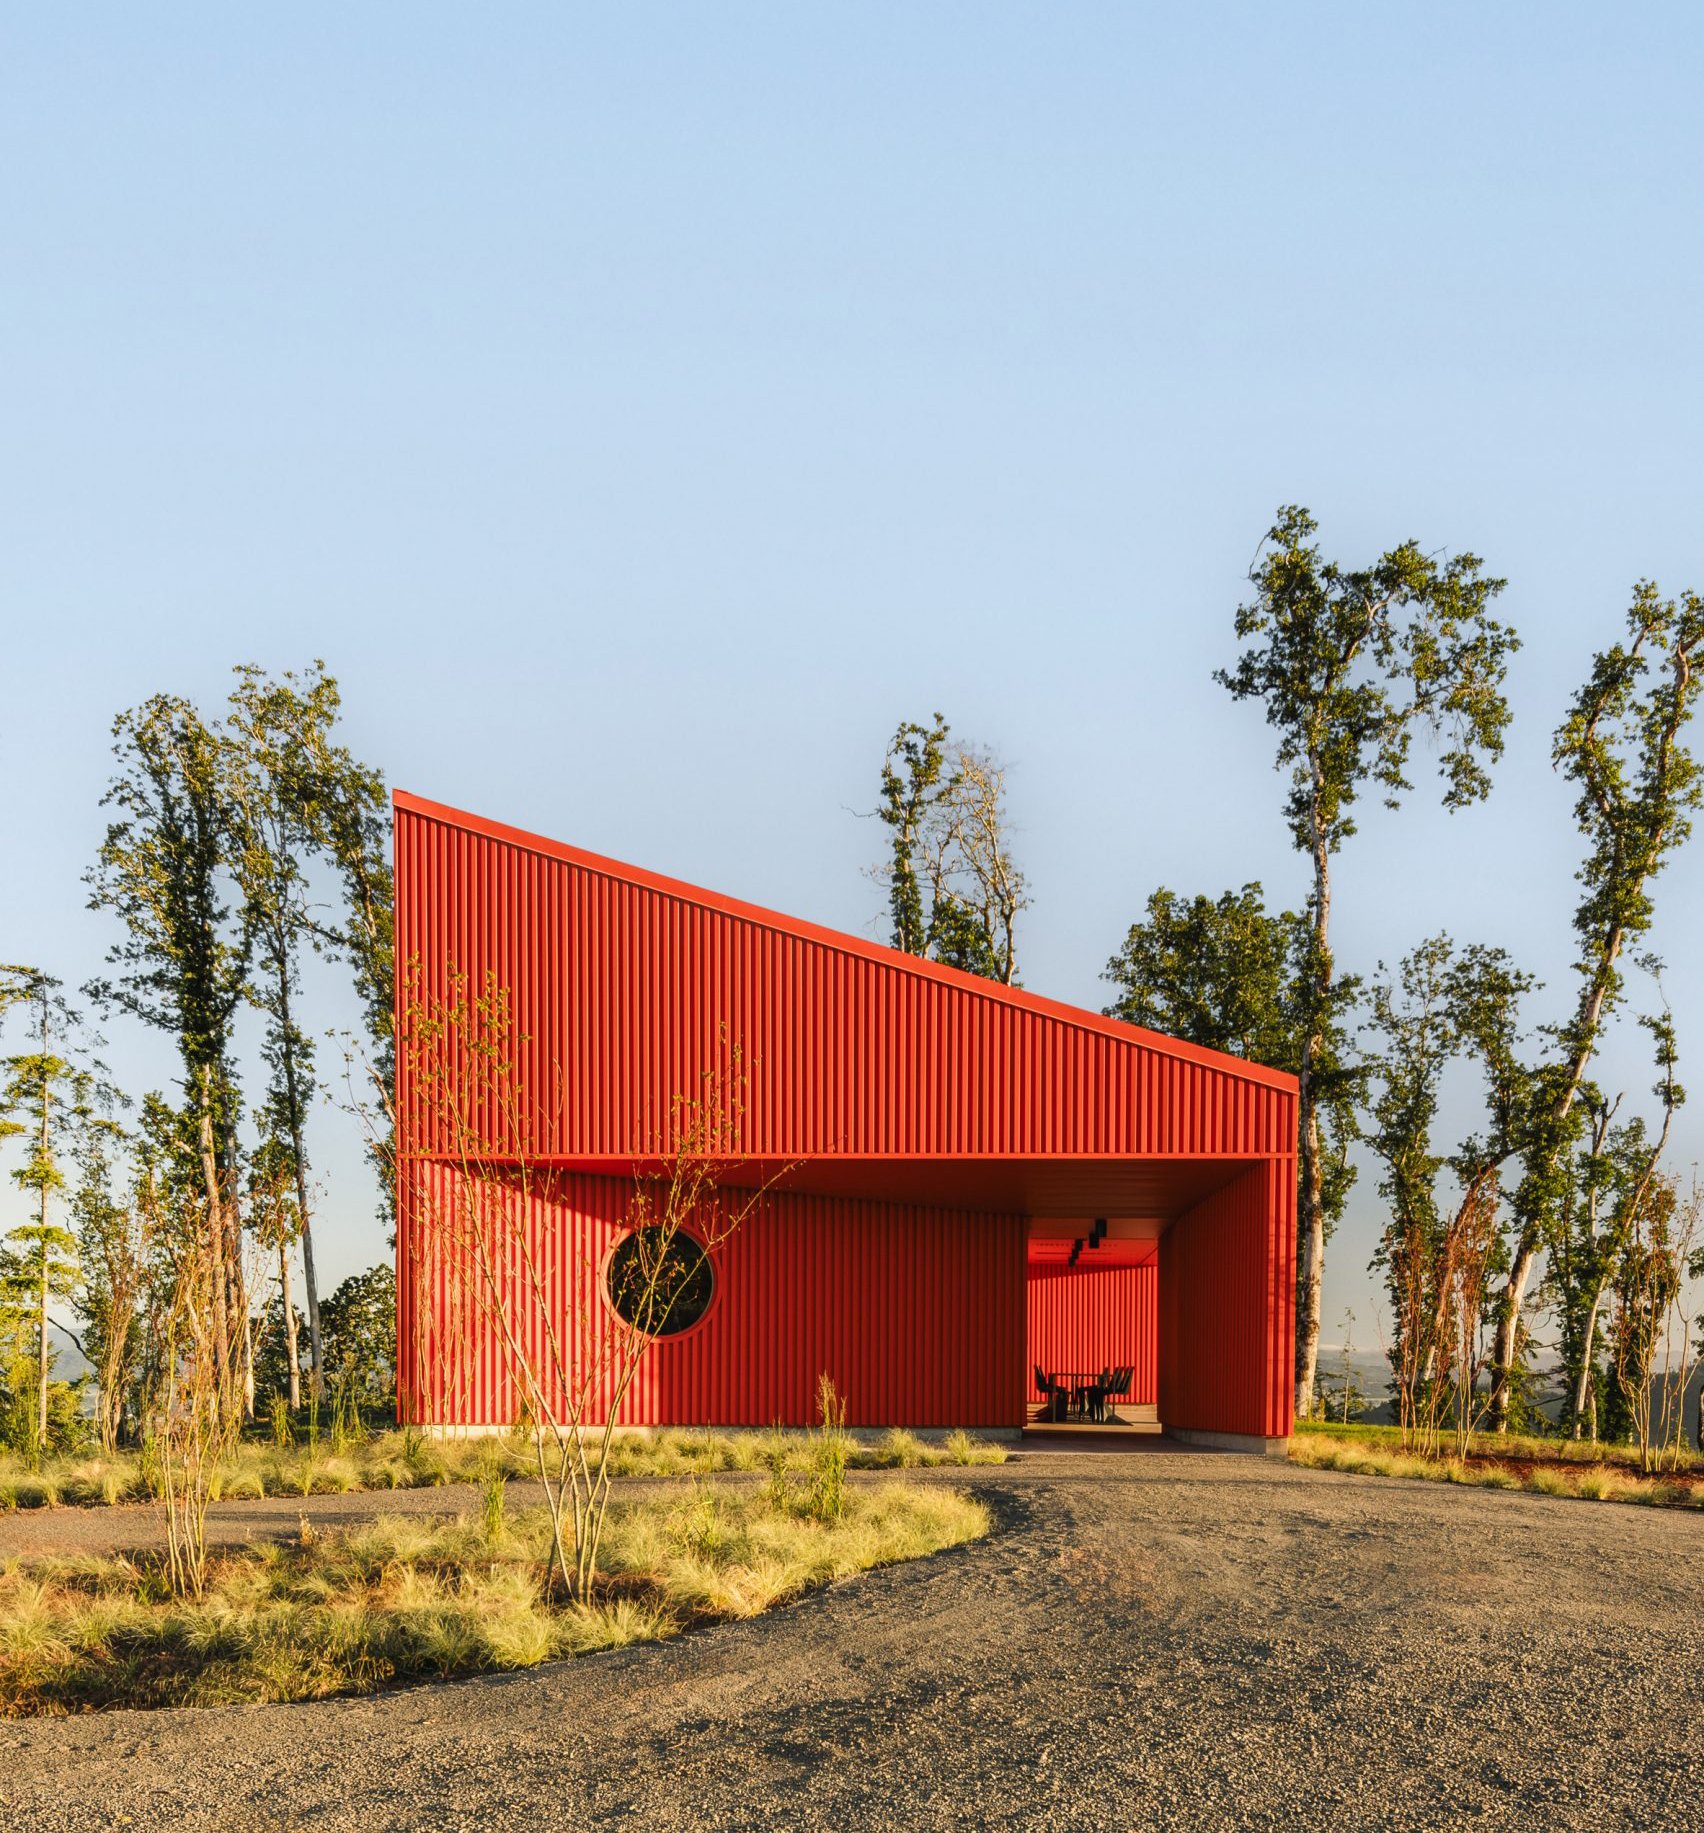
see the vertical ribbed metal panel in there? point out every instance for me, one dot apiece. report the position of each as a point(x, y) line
point(624, 988)
point(1100, 1317)
point(1227, 1308)
point(621, 992)
point(916, 1314)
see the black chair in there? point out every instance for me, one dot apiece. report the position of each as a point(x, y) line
point(1119, 1387)
point(1093, 1396)
point(1055, 1395)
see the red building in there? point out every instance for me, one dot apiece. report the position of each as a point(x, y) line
point(941, 1145)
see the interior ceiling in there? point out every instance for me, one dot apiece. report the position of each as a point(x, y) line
point(1043, 1253)
point(1134, 1194)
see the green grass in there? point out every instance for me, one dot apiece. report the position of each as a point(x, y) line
point(1598, 1482)
point(407, 1597)
point(409, 1460)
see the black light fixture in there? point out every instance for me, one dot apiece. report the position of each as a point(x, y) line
point(1097, 1234)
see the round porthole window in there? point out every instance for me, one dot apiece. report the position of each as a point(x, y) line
point(660, 1281)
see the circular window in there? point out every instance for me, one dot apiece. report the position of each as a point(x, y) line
point(660, 1281)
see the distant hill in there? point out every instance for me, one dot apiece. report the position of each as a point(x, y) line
point(69, 1362)
point(1370, 1373)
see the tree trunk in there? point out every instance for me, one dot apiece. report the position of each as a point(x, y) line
point(1506, 1343)
point(1310, 1207)
point(41, 1343)
point(241, 1321)
point(218, 1290)
point(289, 1313)
point(112, 1399)
point(294, 1100)
point(1583, 1380)
point(41, 1318)
point(248, 1361)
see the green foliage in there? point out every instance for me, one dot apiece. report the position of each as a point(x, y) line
point(911, 781)
point(1622, 746)
point(408, 1459)
point(775, 1462)
point(48, 1100)
point(1347, 663)
point(954, 890)
point(1443, 1006)
point(1225, 974)
point(114, 1241)
point(1221, 973)
point(206, 861)
point(1612, 1190)
point(271, 1349)
point(359, 1323)
point(1329, 1449)
point(278, 1420)
point(297, 798)
point(347, 1426)
point(183, 960)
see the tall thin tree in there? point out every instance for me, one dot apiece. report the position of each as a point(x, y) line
point(1347, 663)
point(276, 745)
point(183, 961)
point(954, 887)
point(1622, 746)
point(44, 1097)
point(912, 773)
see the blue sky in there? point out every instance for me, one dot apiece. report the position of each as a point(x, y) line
point(642, 409)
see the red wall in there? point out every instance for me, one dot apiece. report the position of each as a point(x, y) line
point(1083, 1319)
point(624, 987)
point(1227, 1308)
point(917, 1314)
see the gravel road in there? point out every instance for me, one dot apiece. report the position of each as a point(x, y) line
point(1169, 1639)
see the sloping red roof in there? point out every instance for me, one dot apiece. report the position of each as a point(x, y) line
point(861, 1060)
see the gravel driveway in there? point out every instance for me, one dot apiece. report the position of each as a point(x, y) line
point(1174, 1639)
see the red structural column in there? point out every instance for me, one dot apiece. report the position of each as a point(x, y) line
point(1227, 1309)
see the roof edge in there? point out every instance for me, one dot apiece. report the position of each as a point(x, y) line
point(896, 960)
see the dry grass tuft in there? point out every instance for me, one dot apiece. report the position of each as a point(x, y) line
point(404, 1596)
point(1593, 1482)
point(407, 1460)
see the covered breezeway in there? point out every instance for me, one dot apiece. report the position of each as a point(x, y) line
point(970, 1180)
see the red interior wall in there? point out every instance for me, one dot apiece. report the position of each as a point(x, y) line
point(916, 1314)
point(1092, 1318)
point(1227, 1308)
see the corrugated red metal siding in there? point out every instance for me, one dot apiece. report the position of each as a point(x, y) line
point(1227, 1308)
point(1082, 1319)
point(623, 993)
point(917, 1315)
point(625, 987)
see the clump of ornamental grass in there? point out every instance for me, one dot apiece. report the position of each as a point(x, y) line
point(901, 1450)
point(961, 1448)
point(310, 1464)
point(1591, 1483)
point(404, 1597)
point(1516, 1446)
point(492, 1497)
